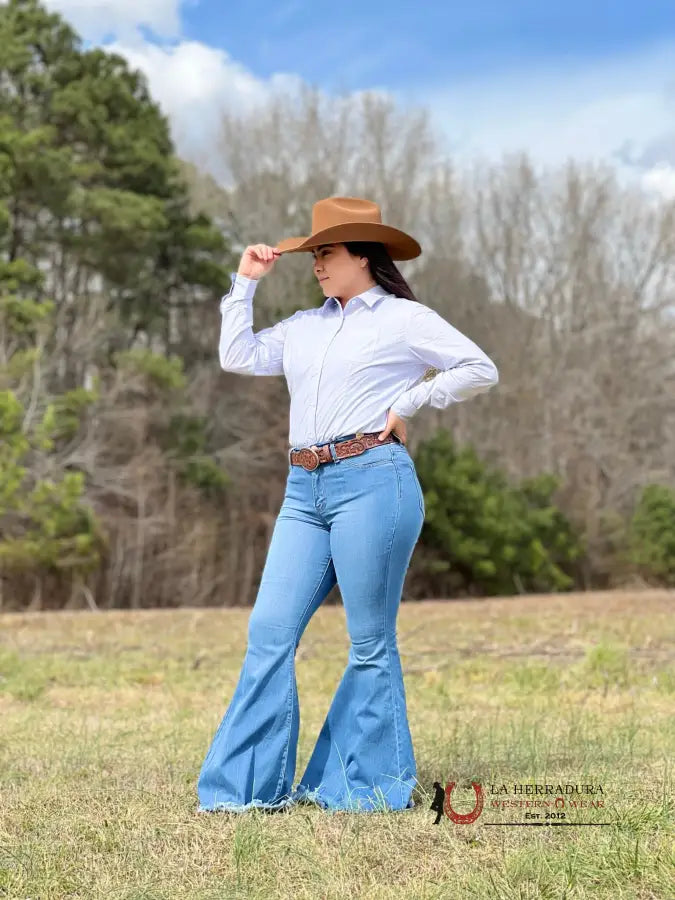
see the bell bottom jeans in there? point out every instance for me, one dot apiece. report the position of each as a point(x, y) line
point(355, 521)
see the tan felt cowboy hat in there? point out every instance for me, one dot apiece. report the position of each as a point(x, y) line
point(336, 220)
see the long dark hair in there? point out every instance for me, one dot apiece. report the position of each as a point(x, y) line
point(382, 267)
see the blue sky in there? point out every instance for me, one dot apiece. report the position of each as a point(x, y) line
point(589, 80)
point(402, 44)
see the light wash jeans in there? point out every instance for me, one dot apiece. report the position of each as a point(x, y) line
point(357, 521)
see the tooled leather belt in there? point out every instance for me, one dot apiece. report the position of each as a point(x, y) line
point(312, 457)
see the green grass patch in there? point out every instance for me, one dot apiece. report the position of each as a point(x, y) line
point(106, 719)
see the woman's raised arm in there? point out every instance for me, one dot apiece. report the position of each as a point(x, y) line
point(240, 349)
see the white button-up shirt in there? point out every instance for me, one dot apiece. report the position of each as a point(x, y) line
point(345, 368)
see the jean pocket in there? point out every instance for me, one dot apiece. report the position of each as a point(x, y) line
point(373, 456)
point(369, 463)
point(373, 464)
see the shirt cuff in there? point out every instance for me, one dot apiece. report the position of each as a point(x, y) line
point(242, 288)
point(403, 408)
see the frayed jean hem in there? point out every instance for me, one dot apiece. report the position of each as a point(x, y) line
point(302, 795)
point(229, 806)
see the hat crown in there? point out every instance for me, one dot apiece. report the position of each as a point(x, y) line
point(344, 219)
point(344, 211)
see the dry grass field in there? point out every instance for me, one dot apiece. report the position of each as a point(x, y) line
point(105, 719)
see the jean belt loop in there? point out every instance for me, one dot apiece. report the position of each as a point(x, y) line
point(331, 447)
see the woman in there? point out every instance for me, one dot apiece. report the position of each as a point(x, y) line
point(352, 512)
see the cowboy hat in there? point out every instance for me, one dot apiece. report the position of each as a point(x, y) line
point(340, 219)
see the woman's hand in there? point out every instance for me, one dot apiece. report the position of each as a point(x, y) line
point(396, 424)
point(257, 260)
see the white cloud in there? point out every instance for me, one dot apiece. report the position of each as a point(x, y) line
point(189, 78)
point(591, 112)
point(95, 19)
point(661, 180)
point(194, 83)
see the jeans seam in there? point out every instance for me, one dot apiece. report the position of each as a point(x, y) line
point(284, 758)
point(386, 639)
point(284, 761)
point(418, 488)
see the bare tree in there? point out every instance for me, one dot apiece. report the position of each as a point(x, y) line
point(587, 376)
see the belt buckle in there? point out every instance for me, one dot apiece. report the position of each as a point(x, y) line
point(309, 455)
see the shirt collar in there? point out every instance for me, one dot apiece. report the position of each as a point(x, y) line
point(369, 297)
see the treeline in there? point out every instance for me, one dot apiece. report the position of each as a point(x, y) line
point(133, 472)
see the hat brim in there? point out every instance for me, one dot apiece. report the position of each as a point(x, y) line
point(400, 245)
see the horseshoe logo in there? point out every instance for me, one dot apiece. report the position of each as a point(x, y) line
point(463, 818)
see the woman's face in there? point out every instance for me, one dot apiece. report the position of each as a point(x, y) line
point(339, 273)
